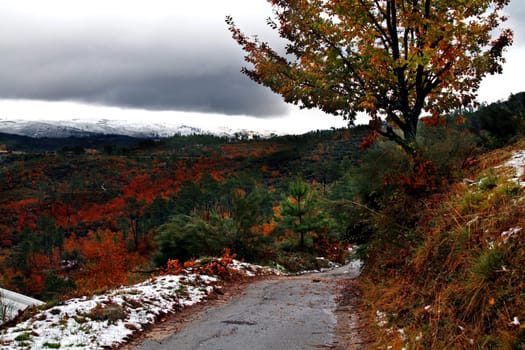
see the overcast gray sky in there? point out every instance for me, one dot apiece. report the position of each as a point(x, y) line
point(166, 58)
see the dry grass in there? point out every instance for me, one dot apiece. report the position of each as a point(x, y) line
point(460, 284)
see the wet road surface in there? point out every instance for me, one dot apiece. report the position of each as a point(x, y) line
point(284, 313)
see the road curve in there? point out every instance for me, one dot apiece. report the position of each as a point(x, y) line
point(285, 313)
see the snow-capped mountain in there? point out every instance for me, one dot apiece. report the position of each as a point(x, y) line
point(86, 128)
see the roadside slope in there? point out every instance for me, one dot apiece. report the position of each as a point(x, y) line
point(457, 279)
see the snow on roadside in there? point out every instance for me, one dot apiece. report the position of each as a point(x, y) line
point(104, 321)
point(518, 162)
point(251, 270)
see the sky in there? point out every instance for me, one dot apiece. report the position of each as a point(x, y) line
point(168, 60)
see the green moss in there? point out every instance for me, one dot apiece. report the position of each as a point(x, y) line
point(23, 337)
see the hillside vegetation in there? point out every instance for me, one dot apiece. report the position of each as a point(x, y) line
point(445, 269)
point(84, 219)
point(441, 232)
point(454, 279)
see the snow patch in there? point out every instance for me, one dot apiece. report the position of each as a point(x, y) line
point(518, 163)
point(505, 235)
point(381, 318)
point(136, 128)
point(105, 321)
point(251, 269)
point(356, 264)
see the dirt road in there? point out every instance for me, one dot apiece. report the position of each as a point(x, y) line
point(288, 313)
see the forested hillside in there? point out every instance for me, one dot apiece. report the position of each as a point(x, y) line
point(86, 218)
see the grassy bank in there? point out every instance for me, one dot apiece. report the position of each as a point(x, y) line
point(455, 279)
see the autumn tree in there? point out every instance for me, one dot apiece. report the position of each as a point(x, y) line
point(105, 260)
point(393, 59)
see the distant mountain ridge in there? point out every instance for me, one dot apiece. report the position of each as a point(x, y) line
point(89, 128)
point(15, 142)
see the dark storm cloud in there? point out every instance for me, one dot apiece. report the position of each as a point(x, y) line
point(160, 68)
point(186, 61)
point(220, 92)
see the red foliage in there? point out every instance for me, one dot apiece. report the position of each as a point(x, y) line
point(423, 178)
point(173, 267)
point(105, 260)
point(23, 203)
point(369, 140)
point(227, 258)
point(434, 120)
point(215, 267)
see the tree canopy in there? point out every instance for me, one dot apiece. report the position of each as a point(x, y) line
point(393, 59)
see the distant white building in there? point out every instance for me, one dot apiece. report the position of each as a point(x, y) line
point(11, 303)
